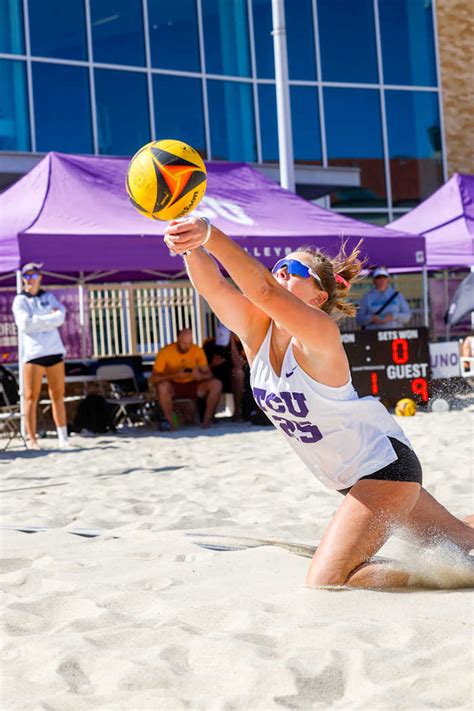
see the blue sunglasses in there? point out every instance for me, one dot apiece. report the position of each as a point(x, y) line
point(296, 268)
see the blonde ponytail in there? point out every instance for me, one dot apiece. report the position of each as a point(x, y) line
point(337, 275)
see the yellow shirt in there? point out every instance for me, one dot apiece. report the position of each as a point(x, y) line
point(170, 361)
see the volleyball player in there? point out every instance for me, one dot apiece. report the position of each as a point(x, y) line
point(300, 377)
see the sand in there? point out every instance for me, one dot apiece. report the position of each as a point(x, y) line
point(140, 617)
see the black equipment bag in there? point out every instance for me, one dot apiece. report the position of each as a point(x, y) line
point(10, 386)
point(95, 415)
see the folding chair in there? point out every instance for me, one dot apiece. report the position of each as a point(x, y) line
point(109, 378)
point(10, 418)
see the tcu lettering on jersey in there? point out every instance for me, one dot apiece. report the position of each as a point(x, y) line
point(293, 405)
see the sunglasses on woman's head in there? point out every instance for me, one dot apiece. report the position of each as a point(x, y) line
point(296, 268)
point(33, 275)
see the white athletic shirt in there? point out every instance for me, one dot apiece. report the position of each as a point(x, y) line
point(339, 436)
point(38, 324)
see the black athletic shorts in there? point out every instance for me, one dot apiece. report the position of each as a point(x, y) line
point(47, 361)
point(406, 468)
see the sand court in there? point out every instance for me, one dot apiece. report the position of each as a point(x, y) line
point(140, 616)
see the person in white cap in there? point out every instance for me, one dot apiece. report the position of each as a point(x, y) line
point(383, 306)
point(38, 316)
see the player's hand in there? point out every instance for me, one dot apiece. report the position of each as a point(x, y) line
point(387, 318)
point(185, 235)
point(376, 319)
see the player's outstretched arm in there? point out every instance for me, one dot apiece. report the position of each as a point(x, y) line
point(312, 327)
point(231, 307)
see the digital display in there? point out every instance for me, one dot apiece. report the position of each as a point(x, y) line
point(390, 364)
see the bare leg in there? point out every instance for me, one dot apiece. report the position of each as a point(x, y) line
point(164, 393)
point(429, 522)
point(33, 375)
point(55, 378)
point(378, 575)
point(237, 381)
point(212, 391)
point(361, 525)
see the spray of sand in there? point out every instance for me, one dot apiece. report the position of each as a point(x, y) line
point(440, 566)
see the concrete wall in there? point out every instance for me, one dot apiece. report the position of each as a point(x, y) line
point(456, 52)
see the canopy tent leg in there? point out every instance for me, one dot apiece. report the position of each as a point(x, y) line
point(82, 317)
point(426, 313)
point(446, 301)
point(21, 383)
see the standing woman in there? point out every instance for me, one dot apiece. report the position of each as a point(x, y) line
point(301, 378)
point(38, 316)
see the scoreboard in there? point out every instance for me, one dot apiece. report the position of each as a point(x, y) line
point(390, 364)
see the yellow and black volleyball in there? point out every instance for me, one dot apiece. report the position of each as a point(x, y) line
point(166, 179)
point(406, 407)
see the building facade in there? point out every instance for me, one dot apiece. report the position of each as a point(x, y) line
point(456, 50)
point(107, 76)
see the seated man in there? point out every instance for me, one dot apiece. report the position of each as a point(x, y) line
point(181, 370)
point(227, 365)
point(382, 306)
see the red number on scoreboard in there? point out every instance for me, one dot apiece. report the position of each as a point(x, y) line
point(400, 351)
point(374, 383)
point(419, 386)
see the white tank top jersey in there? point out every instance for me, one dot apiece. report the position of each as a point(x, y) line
point(339, 436)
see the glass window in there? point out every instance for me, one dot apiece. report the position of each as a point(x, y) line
point(354, 138)
point(11, 27)
point(174, 42)
point(122, 111)
point(62, 108)
point(117, 32)
point(231, 119)
point(406, 28)
point(14, 125)
point(414, 141)
point(262, 32)
point(57, 29)
point(300, 39)
point(175, 99)
point(375, 218)
point(226, 37)
point(347, 40)
point(268, 122)
point(305, 124)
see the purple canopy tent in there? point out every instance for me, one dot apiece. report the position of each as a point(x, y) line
point(446, 219)
point(72, 213)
